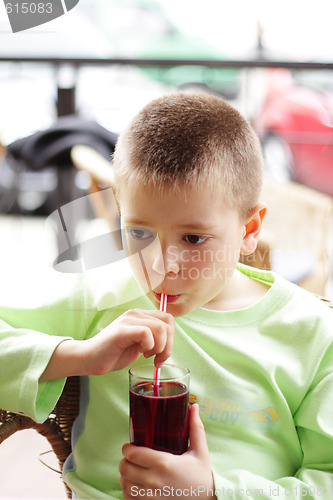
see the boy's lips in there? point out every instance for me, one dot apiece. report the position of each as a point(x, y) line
point(170, 299)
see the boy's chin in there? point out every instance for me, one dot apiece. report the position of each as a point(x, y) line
point(178, 310)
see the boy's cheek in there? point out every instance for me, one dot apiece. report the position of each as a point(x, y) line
point(142, 270)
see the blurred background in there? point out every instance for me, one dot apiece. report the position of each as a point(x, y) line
point(78, 80)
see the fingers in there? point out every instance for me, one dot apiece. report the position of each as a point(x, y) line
point(145, 472)
point(131, 490)
point(153, 330)
point(143, 457)
point(123, 341)
point(198, 442)
point(138, 469)
point(159, 335)
point(163, 355)
point(133, 473)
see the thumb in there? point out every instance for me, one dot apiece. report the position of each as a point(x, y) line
point(198, 442)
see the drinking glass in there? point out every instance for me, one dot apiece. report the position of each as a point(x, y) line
point(159, 409)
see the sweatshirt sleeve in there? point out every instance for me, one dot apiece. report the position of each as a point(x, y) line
point(30, 331)
point(314, 424)
point(23, 358)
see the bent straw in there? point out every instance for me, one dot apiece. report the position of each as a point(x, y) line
point(163, 306)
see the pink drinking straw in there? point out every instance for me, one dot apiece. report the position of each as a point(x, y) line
point(163, 306)
point(163, 302)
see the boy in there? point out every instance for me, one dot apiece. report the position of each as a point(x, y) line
point(260, 351)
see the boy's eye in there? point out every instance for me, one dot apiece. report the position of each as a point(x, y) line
point(195, 239)
point(139, 234)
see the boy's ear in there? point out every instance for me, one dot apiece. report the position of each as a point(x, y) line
point(252, 228)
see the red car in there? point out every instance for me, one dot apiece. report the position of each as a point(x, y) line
point(295, 125)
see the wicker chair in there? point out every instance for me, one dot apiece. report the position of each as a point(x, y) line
point(57, 428)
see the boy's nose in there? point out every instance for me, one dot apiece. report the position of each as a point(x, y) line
point(166, 262)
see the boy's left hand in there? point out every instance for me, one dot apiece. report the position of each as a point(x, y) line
point(145, 472)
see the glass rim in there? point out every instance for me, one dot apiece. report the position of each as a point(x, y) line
point(171, 365)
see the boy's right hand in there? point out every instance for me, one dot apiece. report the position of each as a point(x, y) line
point(135, 332)
point(122, 342)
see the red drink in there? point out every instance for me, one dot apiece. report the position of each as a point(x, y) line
point(160, 422)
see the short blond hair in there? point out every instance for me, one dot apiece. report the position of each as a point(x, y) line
point(191, 139)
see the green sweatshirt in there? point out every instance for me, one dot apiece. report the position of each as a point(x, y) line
point(262, 376)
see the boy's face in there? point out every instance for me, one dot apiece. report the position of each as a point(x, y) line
point(190, 245)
